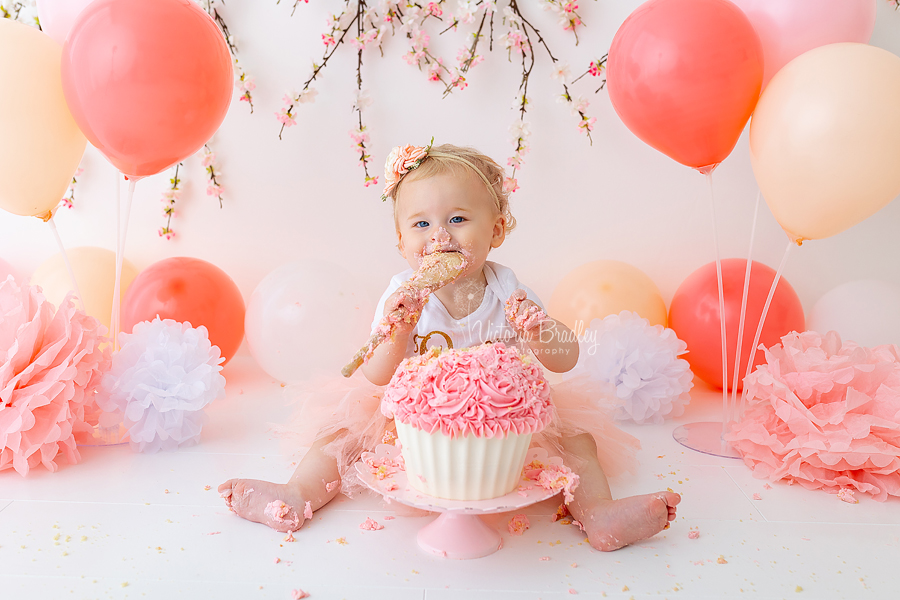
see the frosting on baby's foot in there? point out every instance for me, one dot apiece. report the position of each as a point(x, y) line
point(613, 524)
point(264, 502)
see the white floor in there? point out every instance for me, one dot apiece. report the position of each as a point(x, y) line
point(126, 525)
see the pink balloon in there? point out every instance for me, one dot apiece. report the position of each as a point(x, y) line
point(57, 16)
point(148, 82)
point(788, 28)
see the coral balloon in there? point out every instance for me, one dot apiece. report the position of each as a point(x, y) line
point(694, 316)
point(188, 290)
point(57, 16)
point(95, 272)
point(605, 287)
point(292, 319)
point(788, 29)
point(684, 76)
point(40, 144)
point(148, 82)
point(866, 312)
point(823, 148)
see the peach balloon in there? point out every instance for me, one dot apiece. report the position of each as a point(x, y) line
point(825, 137)
point(95, 271)
point(605, 287)
point(40, 144)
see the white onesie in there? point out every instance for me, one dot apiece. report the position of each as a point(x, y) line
point(436, 328)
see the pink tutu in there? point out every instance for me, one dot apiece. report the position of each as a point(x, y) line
point(351, 408)
point(825, 415)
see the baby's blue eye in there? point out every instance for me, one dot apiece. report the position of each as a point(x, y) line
point(457, 220)
point(420, 224)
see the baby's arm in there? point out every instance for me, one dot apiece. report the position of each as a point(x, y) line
point(552, 343)
point(402, 308)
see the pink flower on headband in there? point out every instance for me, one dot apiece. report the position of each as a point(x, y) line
point(401, 161)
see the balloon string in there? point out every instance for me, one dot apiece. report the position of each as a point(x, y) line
point(65, 255)
point(762, 319)
point(114, 318)
point(740, 333)
point(712, 207)
point(122, 234)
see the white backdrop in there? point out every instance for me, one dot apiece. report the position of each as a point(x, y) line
point(303, 197)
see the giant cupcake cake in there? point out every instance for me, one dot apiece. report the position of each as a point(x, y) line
point(465, 419)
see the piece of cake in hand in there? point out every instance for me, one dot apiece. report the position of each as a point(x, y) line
point(465, 419)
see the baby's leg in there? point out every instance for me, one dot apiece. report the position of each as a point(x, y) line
point(285, 506)
point(611, 524)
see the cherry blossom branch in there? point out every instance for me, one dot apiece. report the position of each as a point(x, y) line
point(169, 197)
point(69, 199)
point(244, 83)
point(286, 116)
point(213, 187)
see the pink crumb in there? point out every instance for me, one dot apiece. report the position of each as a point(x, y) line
point(572, 591)
point(693, 534)
point(307, 510)
point(518, 525)
point(767, 487)
point(389, 518)
point(277, 560)
point(757, 497)
point(544, 558)
point(370, 525)
point(289, 537)
point(298, 594)
point(332, 484)
point(846, 494)
point(574, 565)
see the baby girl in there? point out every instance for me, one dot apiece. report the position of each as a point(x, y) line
point(451, 199)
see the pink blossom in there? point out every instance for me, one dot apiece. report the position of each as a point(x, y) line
point(596, 68)
point(299, 594)
point(510, 184)
point(371, 181)
point(214, 189)
point(328, 39)
point(434, 8)
point(166, 233)
point(208, 159)
point(434, 73)
point(285, 118)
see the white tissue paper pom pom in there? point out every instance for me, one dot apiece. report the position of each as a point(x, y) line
point(160, 380)
point(639, 363)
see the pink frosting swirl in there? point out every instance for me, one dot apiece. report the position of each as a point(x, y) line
point(487, 390)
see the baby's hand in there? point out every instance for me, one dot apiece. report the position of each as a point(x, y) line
point(403, 307)
point(524, 315)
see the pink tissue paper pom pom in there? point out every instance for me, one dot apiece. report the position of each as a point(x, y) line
point(159, 382)
point(638, 366)
point(51, 362)
point(825, 415)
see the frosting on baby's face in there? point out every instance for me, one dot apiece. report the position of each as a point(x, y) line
point(448, 212)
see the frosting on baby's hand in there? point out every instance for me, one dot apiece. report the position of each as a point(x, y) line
point(523, 314)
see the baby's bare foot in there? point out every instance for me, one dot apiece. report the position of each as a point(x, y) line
point(277, 505)
point(612, 524)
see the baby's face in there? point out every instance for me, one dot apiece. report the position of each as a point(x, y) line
point(448, 213)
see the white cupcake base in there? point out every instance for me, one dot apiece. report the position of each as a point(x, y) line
point(466, 468)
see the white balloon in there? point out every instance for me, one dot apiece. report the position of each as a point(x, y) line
point(866, 312)
point(304, 319)
point(58, 16)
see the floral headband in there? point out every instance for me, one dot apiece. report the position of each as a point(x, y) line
point(404, 159)
point(401, 161)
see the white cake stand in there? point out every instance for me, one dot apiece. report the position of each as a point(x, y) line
point(458, 532)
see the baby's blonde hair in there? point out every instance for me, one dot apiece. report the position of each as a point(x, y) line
point(448, 158)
